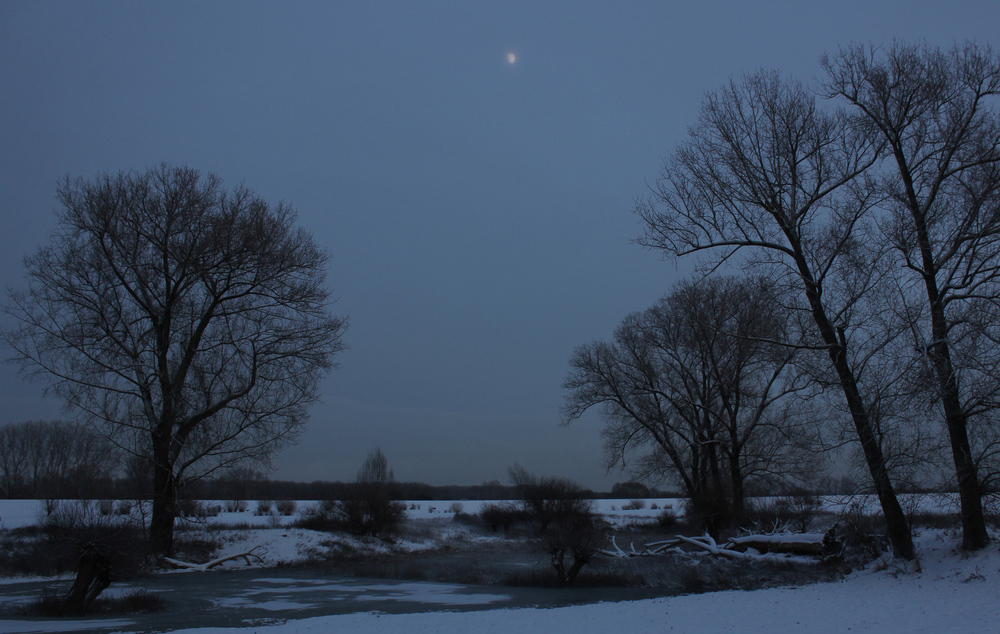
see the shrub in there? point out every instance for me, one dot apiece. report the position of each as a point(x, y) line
point(102, 549)
point(578, 534)
point(456, 508)
point(371, 508)
point(634, 505)
point(863, 536)
point(546, 499)
point(793, 512)
point(498, 515)
point(264, 507)
point(236, 506)
point(563, 516)
point(802, 506)
point(666, 518)
point(285, 507)
point(196, 509)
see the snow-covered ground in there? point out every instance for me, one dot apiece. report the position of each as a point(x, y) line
point(953, 592)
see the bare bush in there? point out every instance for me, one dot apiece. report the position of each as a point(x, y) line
point(792, 512)
point(563, 517)
point(863, 535)
point(236, 506)
point(373, 508)
point(497, 515)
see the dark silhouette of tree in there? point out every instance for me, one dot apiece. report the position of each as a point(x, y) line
point(704, 382)
point(372, 507)
point(188, 323)
point(769, 181)
point(564, 518)
point(936, 113)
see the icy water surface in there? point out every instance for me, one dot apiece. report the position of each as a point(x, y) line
point(248, 597)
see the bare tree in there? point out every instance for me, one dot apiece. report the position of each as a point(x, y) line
point(768, 177)
point(564, 518)
point(187, 322)
point(373, 506)
point(936, 114)
point(704, 380)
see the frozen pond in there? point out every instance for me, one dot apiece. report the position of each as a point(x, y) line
point(243, 598)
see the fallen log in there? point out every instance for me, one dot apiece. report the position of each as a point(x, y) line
point(246, 557)
point(810, 544)
point(820, 545)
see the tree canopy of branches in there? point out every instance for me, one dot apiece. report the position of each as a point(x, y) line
point(702, 381)
point(778, 184)
point(936, 114)
point(187, 322)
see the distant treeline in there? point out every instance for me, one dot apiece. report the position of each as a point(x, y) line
point(227, 487)
point(221, 489)
point(63, 460)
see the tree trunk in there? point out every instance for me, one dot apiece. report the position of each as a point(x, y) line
point(93, 575)
point(161, 525)
point(974, 534)
point(579, 561)
point(898, 530)
point(736, 482)
point(836, 341)
point(557, 556)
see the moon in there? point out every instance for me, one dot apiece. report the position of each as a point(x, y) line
point(511, 58)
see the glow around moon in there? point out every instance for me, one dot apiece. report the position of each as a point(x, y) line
point(511, 58)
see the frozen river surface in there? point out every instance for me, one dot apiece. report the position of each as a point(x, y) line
point(257, 597)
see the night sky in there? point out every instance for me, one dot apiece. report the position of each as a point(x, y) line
point(478, 212)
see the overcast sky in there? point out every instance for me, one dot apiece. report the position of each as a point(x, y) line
point(478, 211)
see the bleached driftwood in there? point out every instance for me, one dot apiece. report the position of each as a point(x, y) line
point(810, 544)
point(708, 544)
point(805, 544)
point(249, 557)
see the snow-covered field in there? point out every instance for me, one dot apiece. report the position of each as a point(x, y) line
point(952, 592)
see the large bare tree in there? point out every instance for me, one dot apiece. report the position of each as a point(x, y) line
point(703, 381)
point(188, 322)
point(936, 113)
point(770, 181)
